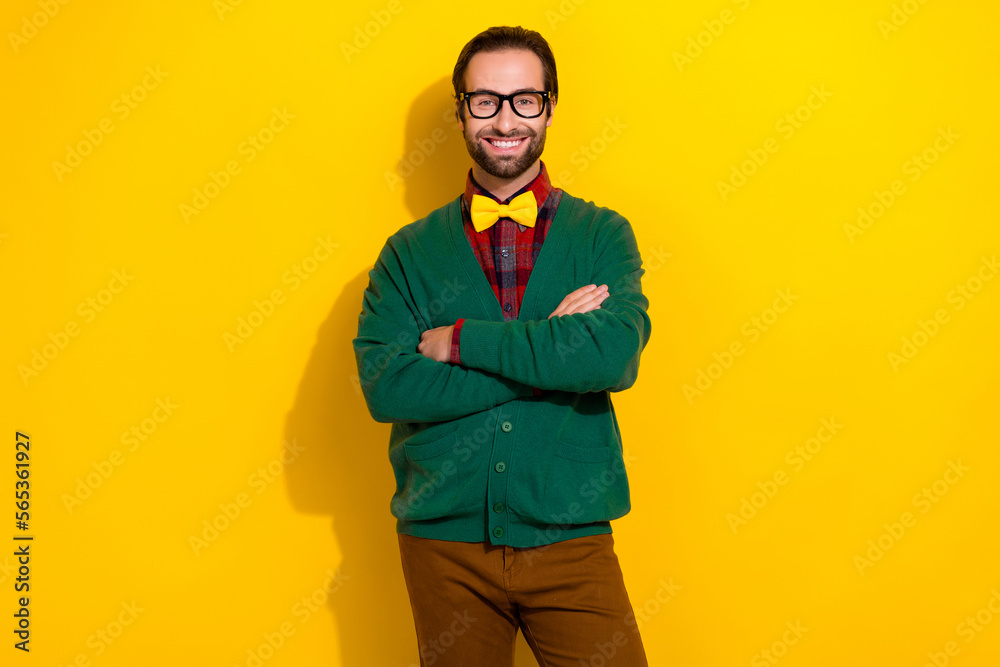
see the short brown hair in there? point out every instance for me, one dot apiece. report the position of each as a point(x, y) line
point(504, 38)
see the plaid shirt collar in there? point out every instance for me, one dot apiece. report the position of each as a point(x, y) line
point(540, 186)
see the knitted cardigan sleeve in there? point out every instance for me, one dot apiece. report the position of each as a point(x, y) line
point(582, 352)
point(400, 384)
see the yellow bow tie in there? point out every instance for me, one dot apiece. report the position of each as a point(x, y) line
point(523, 209)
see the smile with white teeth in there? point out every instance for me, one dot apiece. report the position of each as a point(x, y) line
point(505, 144)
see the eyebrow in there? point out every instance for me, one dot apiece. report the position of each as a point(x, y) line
point(493, 92)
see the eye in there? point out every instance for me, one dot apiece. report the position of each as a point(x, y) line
point(528, 101)
point(483, 101)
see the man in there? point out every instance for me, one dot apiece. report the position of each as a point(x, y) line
point(506, 451)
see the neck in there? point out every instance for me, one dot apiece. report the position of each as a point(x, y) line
point(502, 188)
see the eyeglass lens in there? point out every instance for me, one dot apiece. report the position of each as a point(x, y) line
point(484, 105)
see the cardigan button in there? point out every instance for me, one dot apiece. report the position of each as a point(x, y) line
point(499, 507)
point(500, 466)
point(498, 532)
point(506, 427)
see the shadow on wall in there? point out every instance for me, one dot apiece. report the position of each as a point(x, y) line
point(344, 472)
point(431, 171)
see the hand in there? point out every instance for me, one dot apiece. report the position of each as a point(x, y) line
point(436, 343)
point(582, 300)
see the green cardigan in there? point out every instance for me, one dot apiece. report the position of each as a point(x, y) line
point(477, 454)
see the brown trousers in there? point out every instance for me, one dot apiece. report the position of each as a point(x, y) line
point(568, 598)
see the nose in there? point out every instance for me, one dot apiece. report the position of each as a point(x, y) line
point(506, 119)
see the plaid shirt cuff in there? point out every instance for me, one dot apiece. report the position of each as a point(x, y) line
point(455, 335)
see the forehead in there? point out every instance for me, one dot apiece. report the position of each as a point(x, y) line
point(505, 71)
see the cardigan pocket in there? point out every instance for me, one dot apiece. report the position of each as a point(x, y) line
point(421, 451)
point(431, 480)
point(589, 484)
point(582, 454)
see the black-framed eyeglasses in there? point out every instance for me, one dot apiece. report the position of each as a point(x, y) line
point(526, 104)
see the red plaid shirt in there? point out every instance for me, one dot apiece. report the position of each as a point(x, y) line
point(507, 250)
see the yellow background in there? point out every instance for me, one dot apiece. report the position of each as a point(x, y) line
point(636, 129)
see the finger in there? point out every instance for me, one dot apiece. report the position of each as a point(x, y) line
point(585, 307)
point(579, 291)
point(594, 296)
point(583, 304)
point(581, 295)
point(571, 297)
point(572, 301)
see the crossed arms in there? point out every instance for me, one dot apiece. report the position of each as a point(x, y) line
point(590, 342)
point(436, 343)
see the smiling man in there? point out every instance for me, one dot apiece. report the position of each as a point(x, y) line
point(491, 336)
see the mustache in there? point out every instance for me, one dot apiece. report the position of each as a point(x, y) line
point(483, 135)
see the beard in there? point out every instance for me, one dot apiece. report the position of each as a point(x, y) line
point(506, 166)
